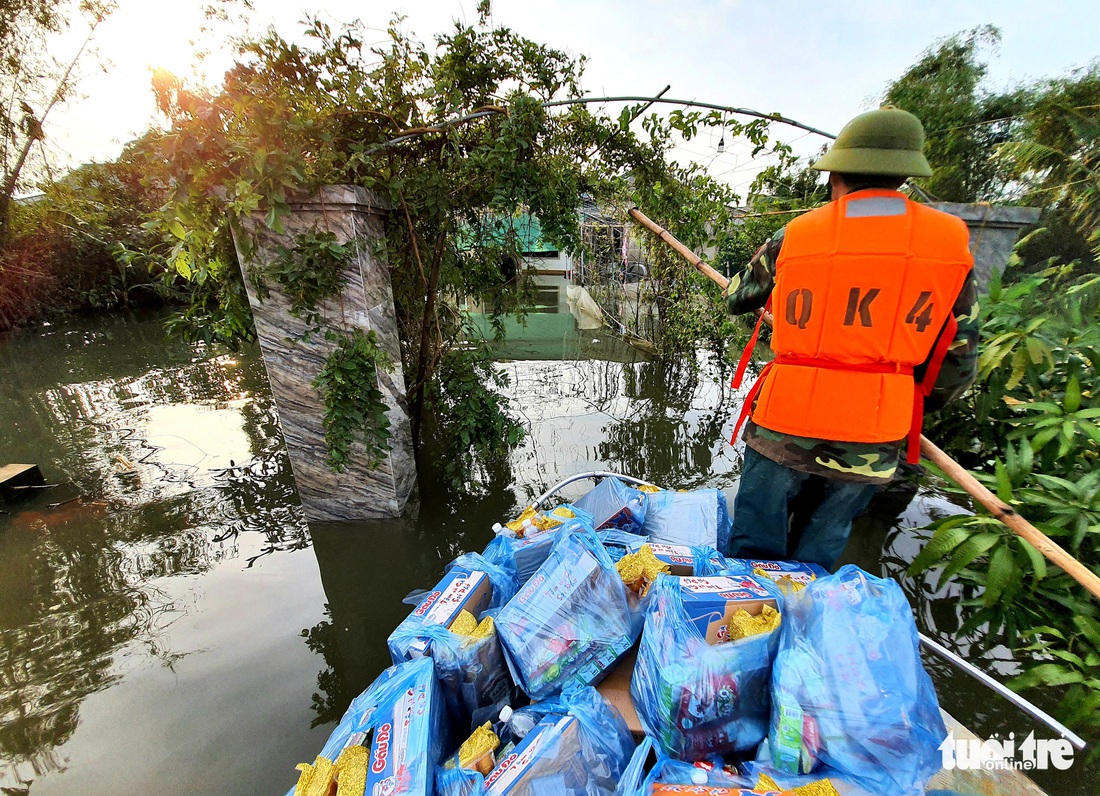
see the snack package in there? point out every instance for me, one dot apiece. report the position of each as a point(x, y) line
point(699, 517)
point(791, 576)
point(570, 622)
point(579, 746)
point(849, 690)
point(682, 559)
point(697, 697)
point(453, 625)
point(613, 504)
point(524, 554)
point(390, 739)
point(650, 771)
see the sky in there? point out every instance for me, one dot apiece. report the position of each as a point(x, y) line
point(818, 62)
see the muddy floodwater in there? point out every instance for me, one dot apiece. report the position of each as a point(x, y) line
point(170, 625)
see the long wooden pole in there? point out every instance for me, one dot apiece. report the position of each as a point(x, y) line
point(951, 468)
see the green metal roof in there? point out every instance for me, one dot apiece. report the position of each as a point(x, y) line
point(524, 226)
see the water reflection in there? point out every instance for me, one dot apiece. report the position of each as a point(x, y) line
point(165, 456)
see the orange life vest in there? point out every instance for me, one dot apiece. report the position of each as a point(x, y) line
point(863, 288)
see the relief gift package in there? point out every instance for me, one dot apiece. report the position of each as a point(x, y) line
point(697, 691)
point(388, 742)
point(570, 622)
point(453, 625)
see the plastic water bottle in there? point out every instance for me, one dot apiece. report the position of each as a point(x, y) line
point(503, 530)
point(518, 724)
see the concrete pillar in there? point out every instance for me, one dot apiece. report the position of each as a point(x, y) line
point(355, 216)
point(993, 233)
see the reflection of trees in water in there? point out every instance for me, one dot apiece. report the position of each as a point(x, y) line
point(78, 583)
point(677, 415)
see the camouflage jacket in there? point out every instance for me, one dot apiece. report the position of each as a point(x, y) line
point(864, 462)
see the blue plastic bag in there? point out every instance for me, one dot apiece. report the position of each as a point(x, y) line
point(613, 504)
point(638, 779)
point(699, 560)
point(849, 689)
point(699, 517)
point(788, 575)
point(697, 699)
point(580, 746)
point(472, 671)
point(400, 720)
point(570, 622)
point(525, 555)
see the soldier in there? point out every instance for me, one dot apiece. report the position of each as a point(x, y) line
point(875, 319)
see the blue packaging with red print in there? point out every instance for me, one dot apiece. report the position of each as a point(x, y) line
point(400, 720)
point(799, 573)
point(472, 671)
point(697, 697)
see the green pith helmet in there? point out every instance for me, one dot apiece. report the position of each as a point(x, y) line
point(887, 141)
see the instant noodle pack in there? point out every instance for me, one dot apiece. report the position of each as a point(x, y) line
point(736, 676)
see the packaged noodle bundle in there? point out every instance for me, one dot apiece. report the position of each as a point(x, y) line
point(613, 504)
point(681, 559)
point(697, 691)
point(570, 622)
point(790, 576)
point(453, 625)
point(578, 745)
point(848, 687)
point(524, 551)
point(698, 517)
point(389, 740)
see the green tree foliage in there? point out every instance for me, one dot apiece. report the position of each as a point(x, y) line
point(33, 82)
point(84, 245)
point(964, 123)
point(1032, 423)
point(1056, 153)
point(457, 140)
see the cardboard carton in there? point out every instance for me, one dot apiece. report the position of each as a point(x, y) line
point(615, 688)
point(679, 558)
point(460, 590)
point(711, 602)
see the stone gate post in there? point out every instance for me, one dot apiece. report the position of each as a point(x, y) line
point(356, 217)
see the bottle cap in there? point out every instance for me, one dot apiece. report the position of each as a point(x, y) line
point(506, 713)
point(497, 527)
point(698, 777)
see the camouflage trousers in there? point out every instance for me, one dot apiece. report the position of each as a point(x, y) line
point(784, 514)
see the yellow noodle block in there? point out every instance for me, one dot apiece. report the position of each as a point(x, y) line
point(744, 624)
point(484, 628)
point(822, 787)
point(562, 511)
point(465, 624)
point(639, 570)
point(478, 746)
point(315, 780)
point(351, 771)
point(648, 488)
point(766, 783)
point(517, 524)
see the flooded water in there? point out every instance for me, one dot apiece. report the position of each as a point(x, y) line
point(169, 624)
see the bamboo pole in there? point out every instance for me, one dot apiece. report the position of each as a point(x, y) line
point(955, 471)
point(1006, 514)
